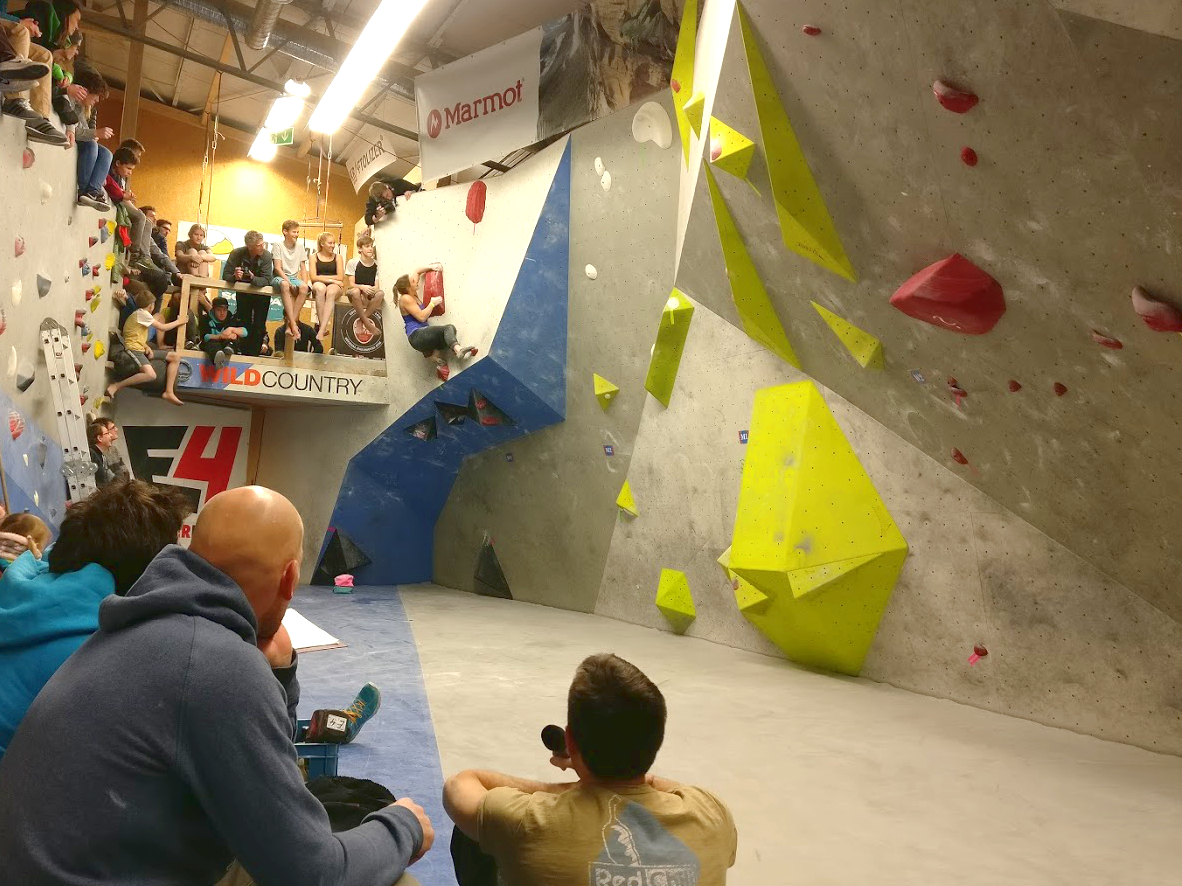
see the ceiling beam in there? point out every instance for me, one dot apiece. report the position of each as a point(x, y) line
point(135, 69)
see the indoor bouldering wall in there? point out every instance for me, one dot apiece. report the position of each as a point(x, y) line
point(54, 266)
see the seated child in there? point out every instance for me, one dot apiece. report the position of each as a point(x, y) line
point(361, 283)
point(135, 339)
point(22, 532)
point(221, 332)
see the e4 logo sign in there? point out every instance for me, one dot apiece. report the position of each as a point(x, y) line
point(176, 455)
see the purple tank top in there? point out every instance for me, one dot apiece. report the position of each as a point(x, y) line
point(412, 324)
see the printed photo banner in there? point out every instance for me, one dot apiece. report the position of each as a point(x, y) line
point(545, 82)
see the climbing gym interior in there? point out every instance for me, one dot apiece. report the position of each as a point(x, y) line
point(821, 359)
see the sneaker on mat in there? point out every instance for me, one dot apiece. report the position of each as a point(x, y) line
point(19, 74)
point(364, 706)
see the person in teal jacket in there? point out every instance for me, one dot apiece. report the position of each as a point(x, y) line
point(49, 607)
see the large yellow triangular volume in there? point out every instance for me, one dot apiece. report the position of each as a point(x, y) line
point(675, 600)
point(605, 391)
point(804, 220)
point(666, 356)
point(751, 299)
point(730, 150)
point(625, 501)
point(815, 578)
point(864, 347)
point(682, 81)
point(694, 110)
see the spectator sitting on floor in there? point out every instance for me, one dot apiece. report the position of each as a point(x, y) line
point(616, 824)
point(34, 532)
point(191, 682)
point(221, 333)
point(328, 280)
point(135, 339)
point(361, 276)
point(307, 341)
point(94, 160)
point(252, 265)
point(101, 434)
point(27, 91)
point(51, 605)
point(291, 273)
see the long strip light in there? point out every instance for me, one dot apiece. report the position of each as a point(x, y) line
point(263, 148)
point(374, 45)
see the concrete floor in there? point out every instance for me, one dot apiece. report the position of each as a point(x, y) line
point(831, 780)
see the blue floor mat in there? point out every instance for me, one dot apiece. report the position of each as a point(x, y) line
point(397, 747)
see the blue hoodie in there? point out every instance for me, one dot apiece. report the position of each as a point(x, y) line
point(44, 618)
point(162, 750)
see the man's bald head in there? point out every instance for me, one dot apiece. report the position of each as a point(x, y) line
point(256, 537)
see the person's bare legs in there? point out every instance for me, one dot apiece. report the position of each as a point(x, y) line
point(289, 309)
point(373, 302)
point(319, 293)
point(324, 303)
point(174, 364)
point(146, 374)
point(363, 305)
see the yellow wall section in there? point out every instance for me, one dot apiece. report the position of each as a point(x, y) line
point(245, 193)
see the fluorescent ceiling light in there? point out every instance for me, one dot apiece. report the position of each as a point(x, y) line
point(263, 148)
point(298, 88)
point(374, 45)
point(285, 111)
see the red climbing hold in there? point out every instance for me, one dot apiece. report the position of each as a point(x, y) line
point(89, 294)
point(1158, 315)
point(1014, 387)
point(1060, 389)
point(958, 457)
point(80, 318)
point(477, 194)
point(969, 156)
point(956, 100)
point(953, 294)
point(81, 263)
point(82, 398)
point(85, 346)
point(19, 248)
point(93, 240)
point(102, 223)
point(674, 85)
point(958, 393)
point(28, 158)
point(811, 30)
point(94, 272)
point(979, 652)
point(1106, 341)
point(77, 370)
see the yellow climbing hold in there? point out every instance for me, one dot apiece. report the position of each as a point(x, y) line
point(109, 261)
point(99, 350)
point(605, 391)
point(694, 109)
point(756, 311)
point(863, 346)
point(811, 534)
point(671, 335)
point(682, 81)
point(625, 501)
point(94, 303)
point(675, 600)
point(110, 226)
point(730, 150)
point(804, 220)
point(97, 289)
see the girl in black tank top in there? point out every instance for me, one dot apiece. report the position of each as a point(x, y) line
point(328, 281)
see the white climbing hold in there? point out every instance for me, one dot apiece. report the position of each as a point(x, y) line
point(18, 289)
point(12, 362)
point(606, 181)
point(591, 272)
point(46, 192)
point(26, 459)
point(36, 498)
point(651, 124)
point(599, 167)
point(673, 303)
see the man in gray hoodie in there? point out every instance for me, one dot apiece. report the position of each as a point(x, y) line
point(162, 749)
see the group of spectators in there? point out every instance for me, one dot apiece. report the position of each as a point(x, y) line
point(148, 698)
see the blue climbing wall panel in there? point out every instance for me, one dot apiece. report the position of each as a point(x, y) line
point(395, 488)
point(32, 465)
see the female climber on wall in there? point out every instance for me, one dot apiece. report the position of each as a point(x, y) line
point(431, 341)
point(328, 279)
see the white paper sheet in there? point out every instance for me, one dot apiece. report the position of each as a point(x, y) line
point(305, 636)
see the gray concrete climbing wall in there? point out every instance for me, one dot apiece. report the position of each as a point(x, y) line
point(38, 208)
point(1074, 201)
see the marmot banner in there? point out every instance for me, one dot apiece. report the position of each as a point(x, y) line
point(543, 83)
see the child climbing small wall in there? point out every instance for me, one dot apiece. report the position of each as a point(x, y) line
point(55, 266)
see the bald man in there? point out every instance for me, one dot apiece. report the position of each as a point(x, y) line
point(162, 749)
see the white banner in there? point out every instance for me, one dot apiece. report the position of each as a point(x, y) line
point(479, 108)
point(367, 161)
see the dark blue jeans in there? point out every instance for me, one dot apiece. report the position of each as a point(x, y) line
point(93, 163)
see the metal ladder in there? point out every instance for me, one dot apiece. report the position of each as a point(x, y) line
point(77, 467)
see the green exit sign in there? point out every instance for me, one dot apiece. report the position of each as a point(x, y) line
point(284, 137)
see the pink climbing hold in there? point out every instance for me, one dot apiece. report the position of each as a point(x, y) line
point(1014, 387)
point(1158, 315)
point(958, 457)
point(89, 294)
point(85, 346)
point(811, 30)
point(958, 393)
point(715, 150)
point(956, 100)
point(979, 652)
point(19, 248)
point(82, 398)
point(28, 158)
point(477, 194)
point(1106, 341)
point(80, 318)
point(674, 85)
point(1060, 389)
point(953, 294)
point(16, 424)
point(968, 156)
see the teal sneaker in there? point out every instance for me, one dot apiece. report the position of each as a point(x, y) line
point(364, 706)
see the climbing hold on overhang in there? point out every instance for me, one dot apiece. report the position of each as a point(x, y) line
point(591, 272)
point(1106, 341)
point(956, 100)
point(968, 156)
point(811, 30)
point(44, 284)
point(93, 240)
point(28, 158)
point(1060, 389)
point(1014, 386)
point(46, 192)
point(16, 423)
point(953, 294)
point(605, 181)
point(651, 124)
point(1158, 315)
point(477, 195)
point(19, 248)
point(958, 457)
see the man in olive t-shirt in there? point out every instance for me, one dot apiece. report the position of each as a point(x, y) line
point(616, 826)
